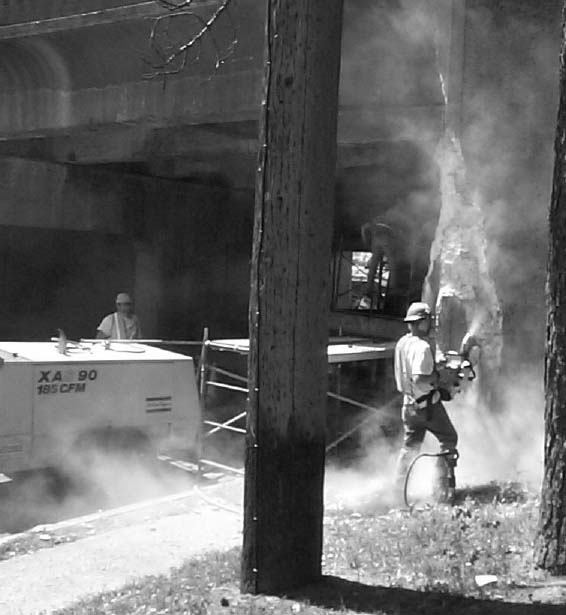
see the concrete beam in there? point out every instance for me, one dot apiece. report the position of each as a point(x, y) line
point(98, 145)
point(87, 20)
point(117, 143)
point(136, 108)
point(186, 100)
point(362, 124)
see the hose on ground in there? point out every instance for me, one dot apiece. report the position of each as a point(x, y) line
point(410, 469)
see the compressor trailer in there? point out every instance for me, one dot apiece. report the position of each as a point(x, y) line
point(50, 402)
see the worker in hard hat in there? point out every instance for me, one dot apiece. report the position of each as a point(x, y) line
point(123, 324)
point(417, 379)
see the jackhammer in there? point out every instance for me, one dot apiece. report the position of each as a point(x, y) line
point(454, 370)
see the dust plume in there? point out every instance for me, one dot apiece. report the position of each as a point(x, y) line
point(486, 90)
point(107, 481)
point(506, 444)
point(368, 483)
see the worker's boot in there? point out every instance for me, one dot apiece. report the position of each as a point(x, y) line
point(445, 489)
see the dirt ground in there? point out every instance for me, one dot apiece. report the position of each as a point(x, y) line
point(53, 566)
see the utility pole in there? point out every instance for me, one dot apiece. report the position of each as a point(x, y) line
point(290, 296)
point(551, 553)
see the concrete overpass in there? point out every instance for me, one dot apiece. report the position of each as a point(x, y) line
point(75, 88)
point(158, 176)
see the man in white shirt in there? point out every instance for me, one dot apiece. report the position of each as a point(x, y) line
point(417, 380)
point(123, 324)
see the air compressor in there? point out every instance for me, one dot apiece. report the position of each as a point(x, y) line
point(54, 400)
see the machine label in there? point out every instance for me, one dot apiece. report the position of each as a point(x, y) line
point(71, 387)
point(52, 382)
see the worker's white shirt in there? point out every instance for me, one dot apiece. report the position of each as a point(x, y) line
point(118, 327)
point(413, 357)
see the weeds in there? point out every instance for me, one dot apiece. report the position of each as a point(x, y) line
point(437, 548)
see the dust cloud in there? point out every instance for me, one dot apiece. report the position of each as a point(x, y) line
point(496, 83)
point(503, 446)
point(77, 488)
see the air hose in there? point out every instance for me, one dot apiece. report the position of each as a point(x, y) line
point(445, 454)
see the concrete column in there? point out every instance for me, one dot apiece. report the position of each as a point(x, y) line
point(148, 288)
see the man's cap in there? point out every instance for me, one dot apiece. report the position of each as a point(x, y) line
point(417, 311)
point(123, 298)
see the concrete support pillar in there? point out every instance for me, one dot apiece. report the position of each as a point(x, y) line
point(148, 289)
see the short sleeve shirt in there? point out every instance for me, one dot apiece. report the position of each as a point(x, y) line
point(413, 357)
point(118, 327)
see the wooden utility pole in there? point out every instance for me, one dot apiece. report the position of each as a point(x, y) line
point(290, 296)
point(552, 544)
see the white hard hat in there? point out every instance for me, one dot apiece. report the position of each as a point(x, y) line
point(417, 311)
point(123, 298)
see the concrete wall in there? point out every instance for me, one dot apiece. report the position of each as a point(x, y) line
point(73, 237)
point(43, 195)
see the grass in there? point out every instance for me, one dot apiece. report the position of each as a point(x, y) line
point(437, 548)
point(402, 563)
point(189, 589)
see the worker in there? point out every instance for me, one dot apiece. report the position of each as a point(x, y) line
point(417, 379)
point(123, 324)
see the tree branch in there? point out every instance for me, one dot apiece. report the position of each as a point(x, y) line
point(172, 54)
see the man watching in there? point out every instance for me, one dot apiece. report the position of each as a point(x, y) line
point(123, 324)
point(417, 379)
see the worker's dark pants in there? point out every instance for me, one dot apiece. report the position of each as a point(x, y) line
point(416, 422)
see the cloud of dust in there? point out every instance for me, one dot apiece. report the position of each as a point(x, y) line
point(367, 484)
point(85, 485)
point(505, 120)
point(505, 443)
point(119, 478)
point(502, 445)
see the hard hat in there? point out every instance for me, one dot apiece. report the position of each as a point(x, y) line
point(417, 311)
point(123, 298)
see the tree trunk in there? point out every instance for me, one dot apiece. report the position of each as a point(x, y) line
point(290, 296)
point(552, 543)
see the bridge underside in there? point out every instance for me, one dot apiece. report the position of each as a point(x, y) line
point(147, 182)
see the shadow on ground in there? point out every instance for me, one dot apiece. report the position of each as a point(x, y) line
point(340, 594)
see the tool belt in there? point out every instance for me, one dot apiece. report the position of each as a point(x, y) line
point(433, 397)
point(424, 402)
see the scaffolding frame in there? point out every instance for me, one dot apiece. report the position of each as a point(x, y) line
point(341, 350)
